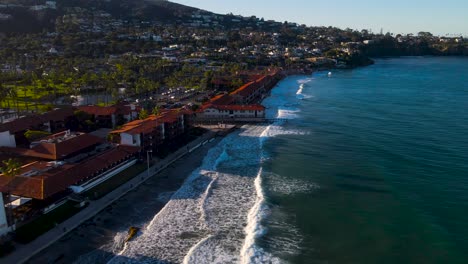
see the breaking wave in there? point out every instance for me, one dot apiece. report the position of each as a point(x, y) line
point(218, 214)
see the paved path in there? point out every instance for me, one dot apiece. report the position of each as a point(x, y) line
point(25, 252)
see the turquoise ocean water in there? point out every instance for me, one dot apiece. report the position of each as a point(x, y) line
point(371, 165)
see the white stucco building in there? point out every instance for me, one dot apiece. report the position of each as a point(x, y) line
point(218, 112)
point(7, 139)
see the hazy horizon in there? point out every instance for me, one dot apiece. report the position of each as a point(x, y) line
point(439, 18)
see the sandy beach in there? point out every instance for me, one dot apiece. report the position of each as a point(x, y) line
point(98, 239)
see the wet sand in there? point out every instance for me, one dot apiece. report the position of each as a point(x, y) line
point(99, 238)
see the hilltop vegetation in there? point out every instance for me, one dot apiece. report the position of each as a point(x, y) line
point(24, 18)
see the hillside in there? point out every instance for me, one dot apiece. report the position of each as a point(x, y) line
point(26, 16)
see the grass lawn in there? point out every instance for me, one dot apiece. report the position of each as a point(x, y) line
point(28, 97)
point(114, 182)
point(44, 223)
point(23, 104)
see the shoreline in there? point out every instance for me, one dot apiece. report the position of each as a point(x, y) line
point(101, 236)
point(101, 229)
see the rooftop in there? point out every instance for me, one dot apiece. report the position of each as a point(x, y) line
point(98, 110)
point(252, 107)
point(28, 122)
point(147, 125)
point(42, 179)
point(58, 146)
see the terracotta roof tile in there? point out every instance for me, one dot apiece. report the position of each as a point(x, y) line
point(59, 179)
point(28, 122)
point(221, 99)
point(56, 150)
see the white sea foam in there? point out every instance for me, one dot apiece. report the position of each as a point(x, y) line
point(192, 256)
point(304, 81)
point(217, 214)
point(287, 186)
point(250, 252)
point(287, 113)
point(204, 220)
point(301, 88)
point(287, 239)
point(300, 92)
point(204, 198)
point(277, 130)
point(119, 241)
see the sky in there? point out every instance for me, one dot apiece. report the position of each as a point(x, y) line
point(395, 16)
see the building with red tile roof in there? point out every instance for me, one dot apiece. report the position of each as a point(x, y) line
point(42, 179)
point(241, 103)
point(12, 133)
point(221, 99)
point(98, 110)
point(58, 146)
point(155, 130)
point(109, 116)
point(233, 112)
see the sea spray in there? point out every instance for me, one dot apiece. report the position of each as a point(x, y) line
point(281, 185)
point(301, 88)
point(214, 175)
point(287, 113)
point(254, 228)
point(300, 92)
point(212, 159)
point(251, 252)
point(119, 241)
point(204, 220)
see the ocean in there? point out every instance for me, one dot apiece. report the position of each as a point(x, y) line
point(368, 165)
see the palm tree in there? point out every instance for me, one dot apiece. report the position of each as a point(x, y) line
point(36, 85)
point(153, 87)
point(13, 94)
point(110, 84)
point(93, 80)
point(141, 87)
point(156, 110)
